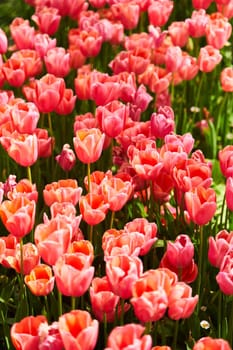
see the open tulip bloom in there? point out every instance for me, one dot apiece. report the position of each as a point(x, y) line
point(116, 175)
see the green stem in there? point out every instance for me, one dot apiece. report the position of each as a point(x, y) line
point(230, 324)
point(105, 328)
point(60, 311)
point(148, 327)
point(200, 266)
point(122, 312)
point(199, 90)
point(220, 315)
point(174, 344)
point(90, 233)
point(112, 219)
point(50, 124)
point(220, 118)
point(29, 174)
point(89, 177)
point(73, 303)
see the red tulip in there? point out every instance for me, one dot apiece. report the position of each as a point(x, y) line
point(127, 13)
point(159, 12)
point(78, 331)
point(47, 19)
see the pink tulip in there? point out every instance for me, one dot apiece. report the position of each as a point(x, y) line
point(47, 19)
point(225, 275)
point(122, 271)
point(211, 343)
point(93, 208)
point(219, 246)
point(127, 13)
point(57, 62)
point(226, 160)
point(73, 275)
point(159, 12)
point(66, 159)
point(22, 33)
point(66, 190)
point(181, 304)
point(209, 57)
point(25, 117)
point(226, 79)
point(78, 331)
point(3, 42)
point(129, 336)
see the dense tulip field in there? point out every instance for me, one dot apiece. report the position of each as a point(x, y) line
point(116, 176)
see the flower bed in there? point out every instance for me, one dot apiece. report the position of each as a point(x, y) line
point(116, 175)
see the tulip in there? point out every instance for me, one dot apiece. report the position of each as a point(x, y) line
point(88, 145)
point(22, 33)
point(25, 334)
point(226, 79)
point(226, 160)
point(129, 336)
point(179, 33)
point(126, 13)
point(159, 12)
point(57, 62)
point(52, 239)
point(40, 281)
point(67, 103)
point(229, 193)
point(31, 61)
point(93, 208)
point(181, 304)
point(23, 188)
point(43, 43)
point(18, 215)
point(209, 57)
point(197, 23)
point(103, 300)
point(25, 117)
point(225, 278)
point(211, 343)
point(122, 271)
point(62, 191)
point(201, 204)
point(116, 192)
point(219, 246)
point(66, 159)
point(3, 42)
point(47, 19)
point(73, 274)
point(78, 331)
point(14, 72)
point(44, 142)
point(218, 31)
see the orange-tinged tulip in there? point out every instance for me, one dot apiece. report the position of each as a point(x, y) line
point(88, 144)
point(93, 208)
point(40, 281)
point(208, 343)
point(18, 215)
point(62, 191)
point(78, 330)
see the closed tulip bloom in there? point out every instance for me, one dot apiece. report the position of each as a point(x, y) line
point(93, 208)
point(219, 246)
point(225, 276)
point(229, 193)
point(47, 19)
point(179, 33)
point(162, 124)
point(40, 281)
point(186, 274)
point(25, 116)
point(25, 334)
point(226, 79)
point(57, 62)
point(66, 159)
point(218, 31)
point(46, 93)
point(181, 304)
point(225, 156)
point(129, 336)
point(181, 252)
point(226, 10)
point(53, 239)
point(66, 190)
point(201, 4)
point(207, 343)
point(43, 43)
point(159, 12)
point(103, 300)
point(122, 271)
point(73, 274)
point(31, 258)
point(127, 13)
point(201, 204)
point(67, 103)
point(18, 215)
point(197, 23)
point(188, 68)
point(112, 117)
point(88, 144)
point(209, 57)
point(105, 92)
point(78, 330)
point(45, 143)
point(22, 33)
point(3, 42)
point(147, 229)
